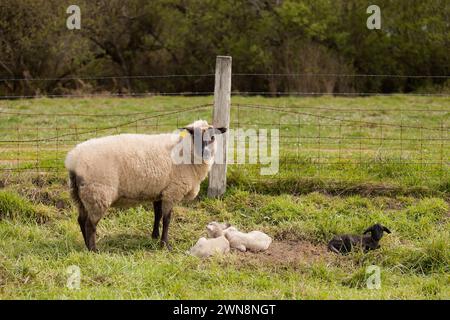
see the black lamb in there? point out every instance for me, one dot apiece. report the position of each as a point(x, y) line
point(346, 242)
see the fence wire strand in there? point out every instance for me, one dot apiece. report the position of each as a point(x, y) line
point(238, 74)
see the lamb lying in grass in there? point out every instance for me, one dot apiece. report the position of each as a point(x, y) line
point(345, 243)
point(215, 229)
point(208, 247)
point(253, 241)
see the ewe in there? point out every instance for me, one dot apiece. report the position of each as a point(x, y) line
point(133, 168)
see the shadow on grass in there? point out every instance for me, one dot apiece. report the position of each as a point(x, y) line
point(298, 186)
point(127, 242)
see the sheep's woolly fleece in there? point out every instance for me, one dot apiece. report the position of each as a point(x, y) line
point(133, 167)
point(208, 247)
point(223, 237)
point(254, 241)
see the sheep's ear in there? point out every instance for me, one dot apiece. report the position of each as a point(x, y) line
point(227, 225)
point(221, 130)
point(367, 230)
point(189, 129)
point(386, 229)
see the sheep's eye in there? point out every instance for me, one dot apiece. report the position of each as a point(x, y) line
point(213, 138)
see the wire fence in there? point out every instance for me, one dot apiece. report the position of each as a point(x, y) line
point(318, 139)
point(43, 148)
point(314, 141)
point(72, 92)
point(209, 93)
point(146, 76)
point(384, 144)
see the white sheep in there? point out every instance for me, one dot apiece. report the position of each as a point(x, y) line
point(253, 241)
point(134, 168)
point(207, 247)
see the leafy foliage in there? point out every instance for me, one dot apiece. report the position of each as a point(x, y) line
point(123, 38)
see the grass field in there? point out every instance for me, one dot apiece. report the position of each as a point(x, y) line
point(345, 163)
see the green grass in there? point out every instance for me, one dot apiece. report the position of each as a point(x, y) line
point(14, 207)
point(301, 208)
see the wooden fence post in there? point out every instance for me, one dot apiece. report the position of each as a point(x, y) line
point(221, 118)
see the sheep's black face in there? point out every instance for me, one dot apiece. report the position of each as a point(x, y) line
point(376, 231)
point(209, 145)
point(204, 140)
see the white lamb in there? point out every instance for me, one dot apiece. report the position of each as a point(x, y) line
point(133, 168)
point(253, 241)
point(215, 229)
point(208, 247)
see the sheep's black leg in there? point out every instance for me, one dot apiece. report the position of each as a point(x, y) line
point(332, 248)
point(75, 182)
point(347, 245)
point(90, 229)
point(167, 213)
point(82, 217)
point(157, 206)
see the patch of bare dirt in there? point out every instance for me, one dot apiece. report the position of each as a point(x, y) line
point(39, 181)
point(394, 204)
point(288, 253)
point(48, 195)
